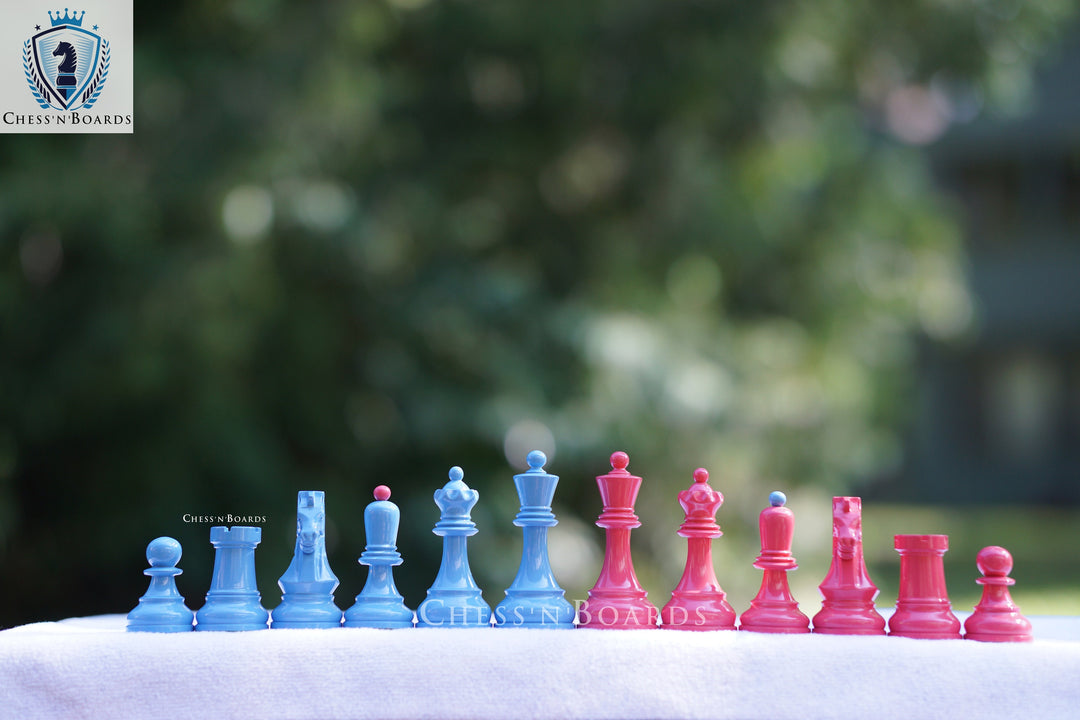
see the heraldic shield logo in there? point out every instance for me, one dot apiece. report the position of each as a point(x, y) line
point(66, 65)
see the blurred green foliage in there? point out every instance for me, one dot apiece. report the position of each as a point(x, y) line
point(354, 243)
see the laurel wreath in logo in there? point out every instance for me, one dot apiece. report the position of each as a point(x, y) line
point(41, 91)
point(94, 89)
point(38, 88)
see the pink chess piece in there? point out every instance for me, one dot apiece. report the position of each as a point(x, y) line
point(848, 605)
point(617, 601)
point(774, 610)
point(698, 602)
point(922, 608)
point(996, 617)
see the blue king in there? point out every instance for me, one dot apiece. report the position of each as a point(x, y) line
point(534, 599)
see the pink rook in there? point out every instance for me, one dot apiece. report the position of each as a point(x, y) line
point(698, 602)
point(922, 608)
point(617, 601)
point(774, 610)
point(848, 605)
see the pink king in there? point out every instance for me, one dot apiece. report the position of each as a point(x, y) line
point(617, 601)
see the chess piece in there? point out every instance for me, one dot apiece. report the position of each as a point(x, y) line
point(617, 601)
point(308, 585)
point(161, 609)
point(996, 618)
point(848, 592)
point(922, 606)
point(454, 600)
point(534, 599)
point(698, 602)
point(379, 604)
point(774, 610)
point(232, 603)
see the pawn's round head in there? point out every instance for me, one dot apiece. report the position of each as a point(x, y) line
point(382, 493)
point(536, 459)
point(701, 475)
point(619, 460)
point(994, 561)
point(777, 499)
point(163, 552)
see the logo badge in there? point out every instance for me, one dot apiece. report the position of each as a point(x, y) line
point(66, 65)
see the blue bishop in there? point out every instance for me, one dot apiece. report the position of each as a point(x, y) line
point(379, 604)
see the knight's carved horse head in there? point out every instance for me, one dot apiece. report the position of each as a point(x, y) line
point(310, 523)
point(67, 65)
point(847, 526)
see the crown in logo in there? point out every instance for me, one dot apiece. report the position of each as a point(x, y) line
point(73, 20)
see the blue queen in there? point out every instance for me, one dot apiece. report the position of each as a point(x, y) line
point(454, 599)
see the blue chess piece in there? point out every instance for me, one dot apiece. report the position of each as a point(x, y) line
point(379, 604)
point(162, 608)
point(232, 603)
point(454, 600)
point(308, 584)
point(534, 599)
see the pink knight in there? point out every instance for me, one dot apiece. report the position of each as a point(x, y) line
point(848, 592)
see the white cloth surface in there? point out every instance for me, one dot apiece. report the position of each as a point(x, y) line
point(92, 668)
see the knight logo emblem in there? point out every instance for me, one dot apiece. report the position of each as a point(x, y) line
point(66, 65)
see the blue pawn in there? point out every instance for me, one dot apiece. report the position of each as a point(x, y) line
point(308, 584)
point(454, 600)
point(534, 599)
point(379, 604)
point(161, 609)
point(232, 602)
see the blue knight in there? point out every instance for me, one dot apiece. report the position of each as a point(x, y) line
point(308, 585)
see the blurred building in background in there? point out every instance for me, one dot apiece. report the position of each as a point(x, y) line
point(998, 412)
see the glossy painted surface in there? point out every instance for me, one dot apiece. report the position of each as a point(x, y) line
point(534, 599)
point(232, 603)
point(617, 601)
point(698, 602)
point(847, 591)
point(922, 607)
point(379, 604)
point(774, 610)
point(454, 599)
point(308, 584)
point(996, 618)
point(162, 608)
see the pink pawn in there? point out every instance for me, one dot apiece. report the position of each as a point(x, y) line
point(617, 601)
point(996, 617)
point(848, 606)
point(774, 610)
point(698, 602)
point(922, 608)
